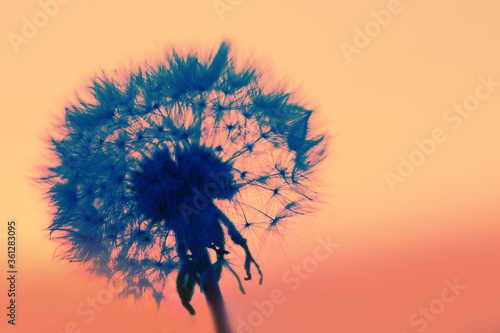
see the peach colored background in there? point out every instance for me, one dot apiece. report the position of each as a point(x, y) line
point(397, 247)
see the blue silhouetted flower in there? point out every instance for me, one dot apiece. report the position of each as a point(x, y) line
point(164, 162)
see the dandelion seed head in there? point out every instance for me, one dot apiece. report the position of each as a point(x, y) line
point(155, 161)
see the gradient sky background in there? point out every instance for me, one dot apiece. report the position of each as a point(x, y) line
point(396, 247)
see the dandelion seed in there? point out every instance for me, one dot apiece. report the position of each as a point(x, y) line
point(163, 163)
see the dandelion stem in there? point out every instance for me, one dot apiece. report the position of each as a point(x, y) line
point(209, 284)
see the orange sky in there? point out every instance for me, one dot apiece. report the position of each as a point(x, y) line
point(378, 87)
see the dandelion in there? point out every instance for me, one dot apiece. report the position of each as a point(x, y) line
point(164, 166)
